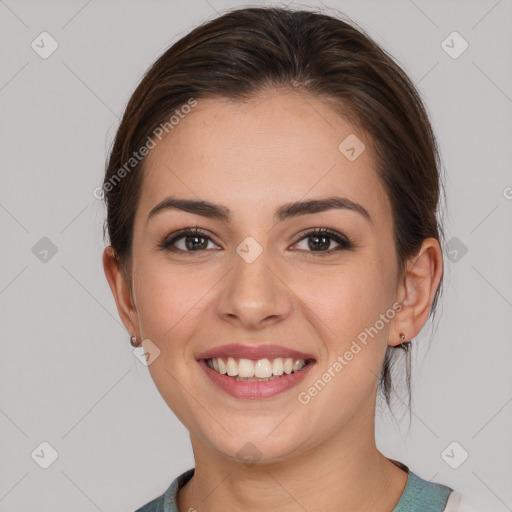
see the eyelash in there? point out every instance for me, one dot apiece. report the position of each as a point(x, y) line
point(344, 243)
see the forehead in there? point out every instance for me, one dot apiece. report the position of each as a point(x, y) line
point(278, 147)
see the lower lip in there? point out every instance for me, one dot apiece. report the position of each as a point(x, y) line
point(254, 389)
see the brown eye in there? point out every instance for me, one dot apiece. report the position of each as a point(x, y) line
point(319, 240)
point(196, 241)
point(190, 240)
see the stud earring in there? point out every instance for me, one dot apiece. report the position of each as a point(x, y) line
point(133, 341)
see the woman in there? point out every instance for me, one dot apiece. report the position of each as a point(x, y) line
point(272, 194)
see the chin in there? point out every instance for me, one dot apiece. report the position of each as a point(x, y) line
point(258, 448)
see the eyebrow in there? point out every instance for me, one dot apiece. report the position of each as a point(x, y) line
point(286, 211)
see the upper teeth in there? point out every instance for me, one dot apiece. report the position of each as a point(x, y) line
point(262, 368)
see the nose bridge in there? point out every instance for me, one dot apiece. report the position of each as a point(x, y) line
point(253, 293)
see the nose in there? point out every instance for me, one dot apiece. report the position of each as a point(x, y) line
point(254, 294)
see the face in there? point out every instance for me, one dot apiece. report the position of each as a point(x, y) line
point(257, 279)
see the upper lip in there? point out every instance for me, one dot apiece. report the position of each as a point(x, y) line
point(253, 352)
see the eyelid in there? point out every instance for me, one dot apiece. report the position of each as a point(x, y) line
point(325, 231)
point(167, 241)
point(343, 241)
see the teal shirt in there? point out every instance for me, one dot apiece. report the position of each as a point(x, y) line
point(419, 495)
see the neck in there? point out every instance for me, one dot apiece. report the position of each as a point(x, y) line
point(345, 473)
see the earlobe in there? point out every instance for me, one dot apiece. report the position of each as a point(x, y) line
point(120, 288)
point(416, 290)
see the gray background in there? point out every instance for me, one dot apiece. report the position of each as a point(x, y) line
point(68, 375)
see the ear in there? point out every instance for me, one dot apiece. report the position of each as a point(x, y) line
point(416, 290)
point(121, 290)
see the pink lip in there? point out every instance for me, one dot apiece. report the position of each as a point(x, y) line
point(255, 390)
point(253, 352)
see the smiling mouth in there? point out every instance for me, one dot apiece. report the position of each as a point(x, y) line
point(261, 370)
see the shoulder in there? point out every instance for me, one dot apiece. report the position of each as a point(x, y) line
point(420, 494)
point(156, 505)
point(167, 501)
point(431, 496)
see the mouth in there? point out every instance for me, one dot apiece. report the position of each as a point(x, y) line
point(255, 379)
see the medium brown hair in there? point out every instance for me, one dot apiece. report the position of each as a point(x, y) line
point(250, 50)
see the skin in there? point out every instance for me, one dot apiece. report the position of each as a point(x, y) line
point(252, 158)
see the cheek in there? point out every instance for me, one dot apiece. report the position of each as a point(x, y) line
point(170, 304)
point(167, 299)
point(347, 309)
point(347, 299)
point(174, 303)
